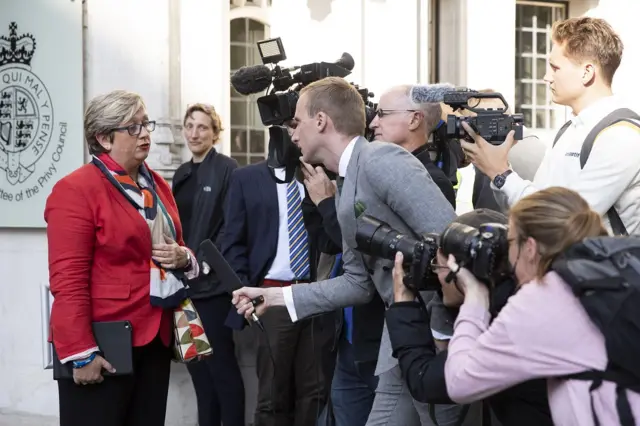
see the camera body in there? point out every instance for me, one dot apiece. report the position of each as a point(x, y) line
point(377, 238)
point(492, 124)
point(484, 250)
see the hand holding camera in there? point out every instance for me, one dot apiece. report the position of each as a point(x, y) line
point(472, 288)
point(401, 293)
point(489, 158)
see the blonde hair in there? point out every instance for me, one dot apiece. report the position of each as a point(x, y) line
point(209, 110)
point(556, 218)
point(340, 101)
point(106, 112)
point(592, 39)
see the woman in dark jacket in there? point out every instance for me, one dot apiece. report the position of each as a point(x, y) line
point(423, 368)
point(200, 187)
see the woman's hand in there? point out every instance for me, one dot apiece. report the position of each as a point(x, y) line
point(468, 284)
point(400, 292)
point(170, 255)
point(91, 373)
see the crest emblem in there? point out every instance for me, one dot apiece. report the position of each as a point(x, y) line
point(26, 111)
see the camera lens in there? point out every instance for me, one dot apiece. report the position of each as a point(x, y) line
point(377, 238)
point(459, 240)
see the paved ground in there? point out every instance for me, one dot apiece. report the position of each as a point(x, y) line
point(17, 419)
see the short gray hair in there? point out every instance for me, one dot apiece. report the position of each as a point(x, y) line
point(107, 111)
point(432, 111)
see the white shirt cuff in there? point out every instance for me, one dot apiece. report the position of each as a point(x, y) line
point(439, 336)
point(81, 355)
point(287, 293)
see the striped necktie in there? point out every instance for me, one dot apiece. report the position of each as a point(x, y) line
point(298, 244)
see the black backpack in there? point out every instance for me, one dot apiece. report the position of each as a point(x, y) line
point(604, 273)
point(622, 114)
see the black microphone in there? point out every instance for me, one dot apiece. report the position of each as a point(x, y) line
point(430, 93)
point(250, 80)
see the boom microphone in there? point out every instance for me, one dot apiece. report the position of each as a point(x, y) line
point(430, 93)
point(250, 80)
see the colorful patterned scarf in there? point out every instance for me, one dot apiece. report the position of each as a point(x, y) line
point(166, 287)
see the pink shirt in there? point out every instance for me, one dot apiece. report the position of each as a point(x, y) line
point(543, 331)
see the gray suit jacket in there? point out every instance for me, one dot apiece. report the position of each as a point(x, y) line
point(394, 187)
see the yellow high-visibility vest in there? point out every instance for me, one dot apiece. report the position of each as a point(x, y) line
point(459, 179)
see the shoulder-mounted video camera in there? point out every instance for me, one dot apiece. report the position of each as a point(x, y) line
point(283, 85)
point(493, 124)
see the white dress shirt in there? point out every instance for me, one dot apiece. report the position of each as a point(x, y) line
point(610, 177)
point(342, 172)
point(280, 269)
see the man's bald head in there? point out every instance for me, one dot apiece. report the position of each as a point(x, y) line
point(430, 111)
point(403, 121)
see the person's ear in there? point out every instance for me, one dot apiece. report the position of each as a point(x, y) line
point(321, 120)
point(530, 249)
point(588, 74)
point(417, 117)
point(105, 140)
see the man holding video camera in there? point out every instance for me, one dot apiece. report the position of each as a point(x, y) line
point(387, 182)
point(404, 122)
point(585, 56)
point(410, 330)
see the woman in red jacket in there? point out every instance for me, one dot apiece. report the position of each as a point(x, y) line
point(115, 253)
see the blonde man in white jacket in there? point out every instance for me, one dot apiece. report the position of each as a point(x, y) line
point(586, 54)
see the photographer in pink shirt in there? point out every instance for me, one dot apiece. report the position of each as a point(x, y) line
point(543, 331)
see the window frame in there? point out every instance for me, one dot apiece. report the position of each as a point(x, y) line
point(553, 115)
point(251, 127)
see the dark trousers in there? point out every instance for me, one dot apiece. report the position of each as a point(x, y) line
point(352, 390)
point(136, 400)
point(217, 379)
point(293, 391)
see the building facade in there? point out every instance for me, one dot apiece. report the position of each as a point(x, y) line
point(178, 52)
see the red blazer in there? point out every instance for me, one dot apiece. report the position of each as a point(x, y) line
point(99, 252)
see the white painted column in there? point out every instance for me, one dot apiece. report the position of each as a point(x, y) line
point(204, 59)
point(128, 46)
point(490, 46)
point(391, 43)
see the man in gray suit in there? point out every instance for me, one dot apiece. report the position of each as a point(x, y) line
point(382, 180)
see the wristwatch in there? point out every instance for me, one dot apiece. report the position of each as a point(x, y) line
point(500, 180)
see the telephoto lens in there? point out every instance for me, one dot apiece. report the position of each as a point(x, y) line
point(484, 251)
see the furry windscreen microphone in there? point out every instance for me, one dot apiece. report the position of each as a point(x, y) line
point(430, 93)
point(250, 80)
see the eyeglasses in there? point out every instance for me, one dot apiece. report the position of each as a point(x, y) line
point(382, 112)
point(136, 129)
point(435, 266)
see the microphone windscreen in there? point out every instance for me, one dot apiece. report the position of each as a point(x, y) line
point(346, 61)
point(430, 93)
point(253, 79)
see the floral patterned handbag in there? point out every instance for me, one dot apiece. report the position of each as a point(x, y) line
point(190, 343)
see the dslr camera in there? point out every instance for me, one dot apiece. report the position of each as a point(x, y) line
point(484, 250)
point(493, 124)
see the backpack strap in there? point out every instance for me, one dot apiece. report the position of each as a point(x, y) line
point(621, 114)
point(563, 129)
point(622, 384)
